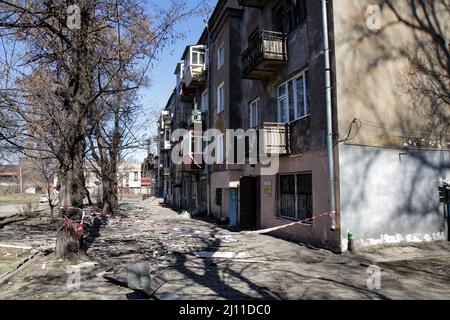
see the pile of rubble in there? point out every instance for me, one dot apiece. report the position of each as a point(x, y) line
point(153, 201)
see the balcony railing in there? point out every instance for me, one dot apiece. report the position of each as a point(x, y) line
point(195, 76)
point(198, 117)
point(276, 138)
point(266, 53)
point(166, 145)
point(253, 3)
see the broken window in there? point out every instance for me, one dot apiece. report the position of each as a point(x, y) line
point(295, 196)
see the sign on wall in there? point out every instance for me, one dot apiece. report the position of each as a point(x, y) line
point(268, 188)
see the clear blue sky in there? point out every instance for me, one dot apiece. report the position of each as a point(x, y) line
point(162, 77)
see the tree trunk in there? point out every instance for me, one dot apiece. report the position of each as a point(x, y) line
point(72, 195)
point(110, 201)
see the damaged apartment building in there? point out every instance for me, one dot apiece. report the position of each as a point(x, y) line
point(354, 154)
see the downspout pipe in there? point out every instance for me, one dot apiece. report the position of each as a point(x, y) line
point(208, 173)
point(328, 93)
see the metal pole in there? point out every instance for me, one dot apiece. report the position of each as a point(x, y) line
point(328, 88)
point(20, 175)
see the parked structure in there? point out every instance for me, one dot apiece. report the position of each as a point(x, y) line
point(263, 65)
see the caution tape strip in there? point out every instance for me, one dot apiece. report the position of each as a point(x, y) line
point(212, 233)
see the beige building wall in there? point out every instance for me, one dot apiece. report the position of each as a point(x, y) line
point(388, 185)
point(318, 233)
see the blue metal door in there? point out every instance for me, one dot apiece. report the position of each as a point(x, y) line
point(233, 207)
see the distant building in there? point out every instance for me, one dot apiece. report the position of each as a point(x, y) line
point(9, 175)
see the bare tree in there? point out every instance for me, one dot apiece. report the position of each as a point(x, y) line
point(74, 58)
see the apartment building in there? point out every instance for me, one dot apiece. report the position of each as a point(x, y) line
point(261, 65)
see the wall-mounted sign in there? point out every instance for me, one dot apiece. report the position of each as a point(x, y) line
point(268, 188)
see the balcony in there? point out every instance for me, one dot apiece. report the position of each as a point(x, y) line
point(276, 137)
point(265, 55)
point(253, 3)
point(195, 76)
point(166, 145)
point(198, 117)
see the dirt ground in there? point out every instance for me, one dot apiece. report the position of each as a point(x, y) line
point(266, 267)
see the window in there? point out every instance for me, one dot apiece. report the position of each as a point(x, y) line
point(254, 114)
point(196, 57)
point(295, 200)
point(221, 98)
point(194, 189)
point(288, 14)
point(136, 176)
point(293, 99)
point(205, 102)
point(185, 188)
point(218, 197)
point(220, 57)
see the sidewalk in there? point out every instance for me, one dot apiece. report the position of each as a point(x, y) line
point(263, 267)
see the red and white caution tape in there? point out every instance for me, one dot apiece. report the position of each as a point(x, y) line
point(287, 225)
point(217, 234)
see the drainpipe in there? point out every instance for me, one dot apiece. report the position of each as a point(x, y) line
point(328, 88)
point(208, 173)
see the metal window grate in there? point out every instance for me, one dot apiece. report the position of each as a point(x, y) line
point(295, 196)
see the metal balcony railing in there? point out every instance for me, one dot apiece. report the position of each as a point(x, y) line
point(276, 137)
point(266, 52)
point(195, 76)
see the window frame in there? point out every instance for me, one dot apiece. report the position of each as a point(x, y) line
point(256, 103)
point(297, 198)
point(306, 102)
point(221, 57)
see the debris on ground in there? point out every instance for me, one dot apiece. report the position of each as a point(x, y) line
point(152, 200)
point(222, 255)
point(197, 259)
point(186, 215)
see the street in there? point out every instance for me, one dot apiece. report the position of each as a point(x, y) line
point(200, 260)
point(10, 210)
